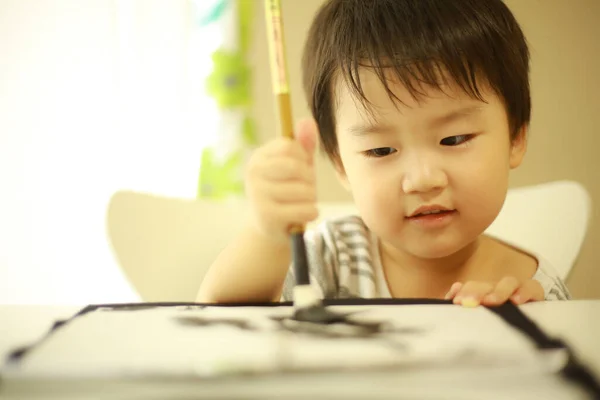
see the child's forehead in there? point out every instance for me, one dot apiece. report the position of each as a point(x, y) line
point(378, 93)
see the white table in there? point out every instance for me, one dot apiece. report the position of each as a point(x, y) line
point(577, 322)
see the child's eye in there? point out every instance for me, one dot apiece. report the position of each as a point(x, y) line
point(380, 152)
point(456, 140)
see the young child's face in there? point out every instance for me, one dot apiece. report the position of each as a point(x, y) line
point(448, 150)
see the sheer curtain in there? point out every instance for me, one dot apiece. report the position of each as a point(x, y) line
point(96, 96)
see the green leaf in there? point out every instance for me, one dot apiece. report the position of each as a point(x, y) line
point(229, 83)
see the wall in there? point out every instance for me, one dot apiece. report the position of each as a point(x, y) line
point(565, 85)
point(56, 73)
point(92, 100)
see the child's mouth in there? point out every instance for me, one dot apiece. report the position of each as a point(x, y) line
point(432, 213)
point(432, 219)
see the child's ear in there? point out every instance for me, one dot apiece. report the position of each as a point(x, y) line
point(518, 147)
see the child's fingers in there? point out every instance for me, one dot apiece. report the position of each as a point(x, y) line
point(297, 213)
point(276, 218)
point(531, 290)
point(289, 192)
point(284, 147)
point(471, 294)
point(502, 292)
point(284, 169)
point(307, 134)
point(453, 290)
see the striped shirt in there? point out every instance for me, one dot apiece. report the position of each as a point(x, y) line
point(345, 263)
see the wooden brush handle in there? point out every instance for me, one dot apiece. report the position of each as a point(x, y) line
point(281, 88)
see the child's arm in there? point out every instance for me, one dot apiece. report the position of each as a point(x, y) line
point(250, 269)
point(280, 184)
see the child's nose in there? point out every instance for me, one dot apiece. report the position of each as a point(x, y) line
point(422, 174)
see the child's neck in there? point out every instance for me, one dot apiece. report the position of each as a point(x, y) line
point(411, 276)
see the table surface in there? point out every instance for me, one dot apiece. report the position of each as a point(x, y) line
point(576, 321)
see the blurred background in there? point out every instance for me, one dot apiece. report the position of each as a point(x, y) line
point(169, 97)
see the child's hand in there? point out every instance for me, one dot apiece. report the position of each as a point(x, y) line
point(280, 182)
point(472, 294)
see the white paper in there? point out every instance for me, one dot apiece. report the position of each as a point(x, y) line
point(155, 342)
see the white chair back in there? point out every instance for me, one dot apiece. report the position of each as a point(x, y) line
point(165, 245)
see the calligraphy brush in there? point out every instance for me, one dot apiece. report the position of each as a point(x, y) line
point(304, 295)
point(307, 304)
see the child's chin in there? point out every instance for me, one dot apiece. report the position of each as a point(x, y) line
point(433, 251)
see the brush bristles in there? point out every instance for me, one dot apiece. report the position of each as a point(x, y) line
point(305, 296)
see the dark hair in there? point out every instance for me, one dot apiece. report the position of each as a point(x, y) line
point(466, 40)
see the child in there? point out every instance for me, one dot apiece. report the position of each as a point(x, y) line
point(423, 108)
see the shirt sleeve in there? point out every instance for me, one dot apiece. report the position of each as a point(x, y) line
point(322, 264)
point(554, 287)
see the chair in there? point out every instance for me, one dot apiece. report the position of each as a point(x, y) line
point(550, 219)
point(165, 245)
